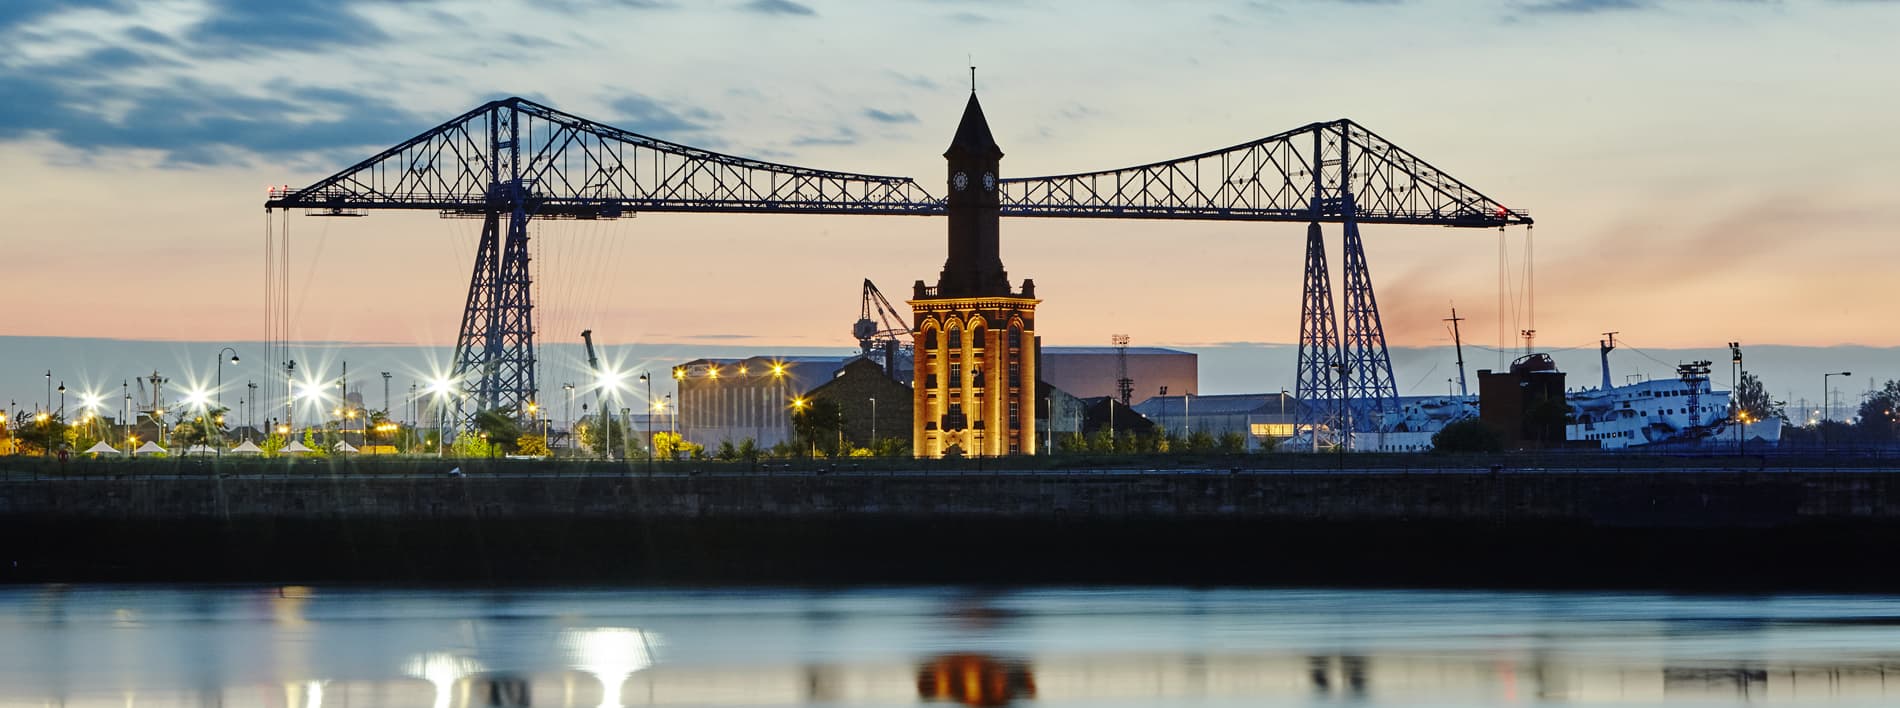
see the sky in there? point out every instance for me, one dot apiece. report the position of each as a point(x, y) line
point(1701, 171)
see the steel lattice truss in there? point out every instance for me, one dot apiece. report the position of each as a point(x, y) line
point(513, 160)
point(569, 166)
point(1276, 178)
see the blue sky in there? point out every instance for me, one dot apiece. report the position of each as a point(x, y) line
point(1701, 170)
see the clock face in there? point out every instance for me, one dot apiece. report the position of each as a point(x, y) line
point(960, 180)
point(989, 182)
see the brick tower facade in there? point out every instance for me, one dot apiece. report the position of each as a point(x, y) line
point(975, 336)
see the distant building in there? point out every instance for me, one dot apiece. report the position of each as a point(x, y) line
point(1525, 404)
point(1089, 372)
point(737, 399)
point(1263, 418)
point(873, 406)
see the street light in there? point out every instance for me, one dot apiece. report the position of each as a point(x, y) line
point(441, 388)
point(220, 390)
point(1827, 401)
point(648, 380)
point(798, 408)
point(874, 424)
point(568, 414)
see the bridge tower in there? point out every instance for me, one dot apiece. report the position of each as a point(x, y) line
point(975, 337)
point(1345, 383)
point(494, 352)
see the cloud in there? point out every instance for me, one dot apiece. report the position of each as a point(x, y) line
point(890, 117)
point(648, 116)
point(233, 26)
point(777, 7)
point(914, 80)
point(579, 6)
point(18, 12)
point(843, 136)
point(1585, 7)
point(189, 123)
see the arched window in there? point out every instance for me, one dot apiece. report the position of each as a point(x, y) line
point(976, 333)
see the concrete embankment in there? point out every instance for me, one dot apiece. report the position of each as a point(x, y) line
point(509, 524)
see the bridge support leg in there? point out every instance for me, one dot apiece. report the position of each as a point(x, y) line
point(494, 353)
point(1370, 391)
point(1317, 387)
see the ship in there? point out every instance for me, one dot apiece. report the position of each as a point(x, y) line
point(1683, 412)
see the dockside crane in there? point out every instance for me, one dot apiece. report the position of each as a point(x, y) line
point(600, 381)
point(880, 330)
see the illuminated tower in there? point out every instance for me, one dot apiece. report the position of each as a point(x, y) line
point(976, 338)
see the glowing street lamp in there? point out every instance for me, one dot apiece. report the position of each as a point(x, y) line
point(441, 388)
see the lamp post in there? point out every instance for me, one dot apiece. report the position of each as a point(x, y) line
point(568, 414)
point(873, 424)
point(1735, 398)
point(62, 399)
point(798, 410)
point(648, 433)
point(218, 393)
point(250, 408)
point(1827, 402)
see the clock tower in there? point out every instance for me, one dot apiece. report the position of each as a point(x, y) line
point(975, 390)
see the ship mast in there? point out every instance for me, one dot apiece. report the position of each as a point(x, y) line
point(1604, 347)
point(1458, 342)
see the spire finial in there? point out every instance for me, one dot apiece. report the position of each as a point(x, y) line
point(972, 75)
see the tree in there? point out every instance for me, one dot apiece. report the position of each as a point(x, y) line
point(667, 446)
point(503, 432)
point(532, 445)
point(1879, 413)
point(319, 446)
point(818, 424)
point(471, 444)
point(39, 434)
point(1752, 398)
point(1468, 435)
point(273, 444)
point(1232, 443)
point(596, 438)
point(191, 428)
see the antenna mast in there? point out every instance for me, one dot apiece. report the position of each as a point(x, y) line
point(1459, 342)
point(1124, 386)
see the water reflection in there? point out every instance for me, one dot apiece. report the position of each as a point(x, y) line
point(442, 670)
point(610, 654)
point(309, 648)
point(975, 680)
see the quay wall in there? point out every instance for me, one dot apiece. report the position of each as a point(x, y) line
point(495, 524)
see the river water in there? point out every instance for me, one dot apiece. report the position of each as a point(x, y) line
point(303, 647)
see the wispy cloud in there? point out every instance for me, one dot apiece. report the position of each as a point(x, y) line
point(232, 26)
point(890, 116)
point(649, 116)
point(1585, 7)
point(843, 136)
point(777, 7)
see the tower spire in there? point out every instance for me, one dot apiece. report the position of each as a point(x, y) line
point(974, 267)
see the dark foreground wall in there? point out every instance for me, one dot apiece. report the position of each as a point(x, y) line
point(1705, 530)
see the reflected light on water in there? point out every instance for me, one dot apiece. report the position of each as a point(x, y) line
point(975, 680)
point(610, 654)
point(442, 670)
